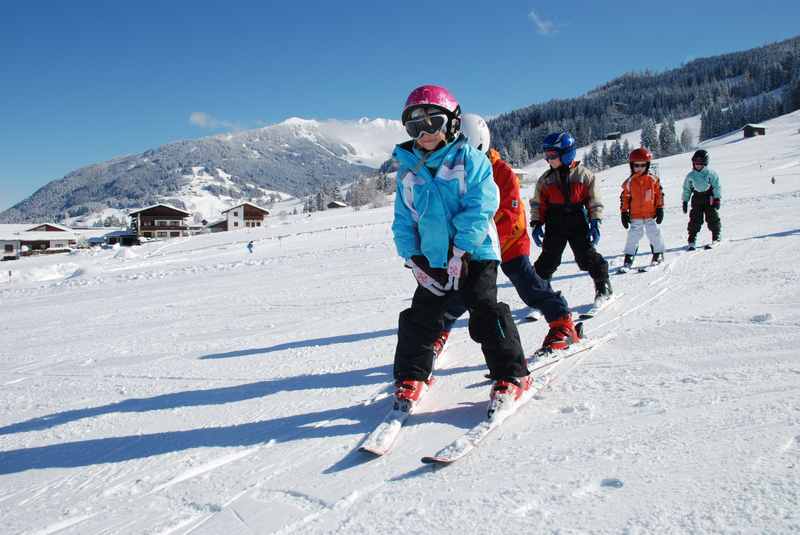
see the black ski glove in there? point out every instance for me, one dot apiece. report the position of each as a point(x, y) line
point(659, 215)
point(685, 207)
point(626, 219)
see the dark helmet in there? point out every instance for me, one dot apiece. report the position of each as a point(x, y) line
point(700, 156)
point(563, 143)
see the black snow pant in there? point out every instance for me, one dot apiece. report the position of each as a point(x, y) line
point(563, 226)
point(701, 208)
point(490, 324)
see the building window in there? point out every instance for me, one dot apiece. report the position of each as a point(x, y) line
point(258, 223)
point(236, 214)
point(9, 248)
point(235, 223)
point(161, 234)
point(174, 234)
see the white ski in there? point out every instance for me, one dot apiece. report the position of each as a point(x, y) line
point(543, 375)
point(598, 305)
point(383, 437)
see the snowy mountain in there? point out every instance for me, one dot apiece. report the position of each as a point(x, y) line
point(295, 157)
point(191, 387)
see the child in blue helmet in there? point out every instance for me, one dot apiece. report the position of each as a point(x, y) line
point(566, 209)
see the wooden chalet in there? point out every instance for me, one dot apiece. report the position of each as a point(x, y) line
point(752, 130)
point(160, 221)
point(244, 215)
point(44, 238)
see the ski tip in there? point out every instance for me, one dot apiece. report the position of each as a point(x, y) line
point(372, 452)
point(436, 460)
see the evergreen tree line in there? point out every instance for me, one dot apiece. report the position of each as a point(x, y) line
point(663, 141)
point(632, 100)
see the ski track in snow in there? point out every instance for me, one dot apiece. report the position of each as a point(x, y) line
point(201, 389)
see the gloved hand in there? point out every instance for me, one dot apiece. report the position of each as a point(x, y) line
point(715, 202)
point(685, 206)
point(426, 276)
point(626, 219)
point(659, 215)
point(538, 233)
point(457, 269)
point(594, 231)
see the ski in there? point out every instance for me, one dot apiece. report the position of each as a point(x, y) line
point(598, 305)
point(380, 441)
point(542, 376)
point(649, 267)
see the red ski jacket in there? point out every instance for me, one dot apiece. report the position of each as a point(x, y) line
point(510, 218)
point(582, 191)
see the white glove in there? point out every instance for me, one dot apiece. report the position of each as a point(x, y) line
point(425, 280)
point(456, 269)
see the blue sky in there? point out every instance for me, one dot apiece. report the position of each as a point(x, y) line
point(82, 82)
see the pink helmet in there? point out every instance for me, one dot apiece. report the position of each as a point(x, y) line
point(431, 95)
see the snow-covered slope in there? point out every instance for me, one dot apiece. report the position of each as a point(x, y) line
point(191, 387)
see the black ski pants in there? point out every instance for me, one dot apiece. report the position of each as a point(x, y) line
point(490, 324)
point(701, 208)
point(569, 227)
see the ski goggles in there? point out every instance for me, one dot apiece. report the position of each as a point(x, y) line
point(429, 124)
point(551, 155)
point(637, 165)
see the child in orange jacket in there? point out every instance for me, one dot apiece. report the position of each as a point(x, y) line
point(642, 208)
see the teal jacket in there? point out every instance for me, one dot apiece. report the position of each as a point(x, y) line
point(701, 181)
point(454, 205)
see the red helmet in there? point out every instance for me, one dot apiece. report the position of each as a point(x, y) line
point(640, 155)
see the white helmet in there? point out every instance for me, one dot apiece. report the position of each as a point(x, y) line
point(477, 131)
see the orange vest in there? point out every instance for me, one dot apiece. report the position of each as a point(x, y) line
point(510, 218)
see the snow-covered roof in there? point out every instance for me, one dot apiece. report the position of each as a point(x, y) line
point(754, 125)
point(248, 203)
point(156, 206)
point(39, 236)
point(54, 225)
point(23, 233)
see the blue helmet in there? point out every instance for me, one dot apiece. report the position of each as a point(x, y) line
point(563, 143)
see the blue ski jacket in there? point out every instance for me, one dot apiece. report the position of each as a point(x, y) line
point(445, 197)
point(701, 181)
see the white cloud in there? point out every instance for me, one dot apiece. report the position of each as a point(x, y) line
point(204, 120)
point(543, 26)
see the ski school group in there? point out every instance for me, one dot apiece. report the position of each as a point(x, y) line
point(458, 214)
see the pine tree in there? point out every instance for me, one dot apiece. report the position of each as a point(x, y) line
point(649, 137)
point(667, 139)
point(687, 140)
point(605, 161)
point(626, 148)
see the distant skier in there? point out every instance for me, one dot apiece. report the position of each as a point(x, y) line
point(642, 207)
point(566, 208)
point(515, 248)
point(442, 227)
point(701, 186)
point(250, 246)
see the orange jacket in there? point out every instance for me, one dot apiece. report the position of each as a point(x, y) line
point(641, 195)
point(510, 218)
